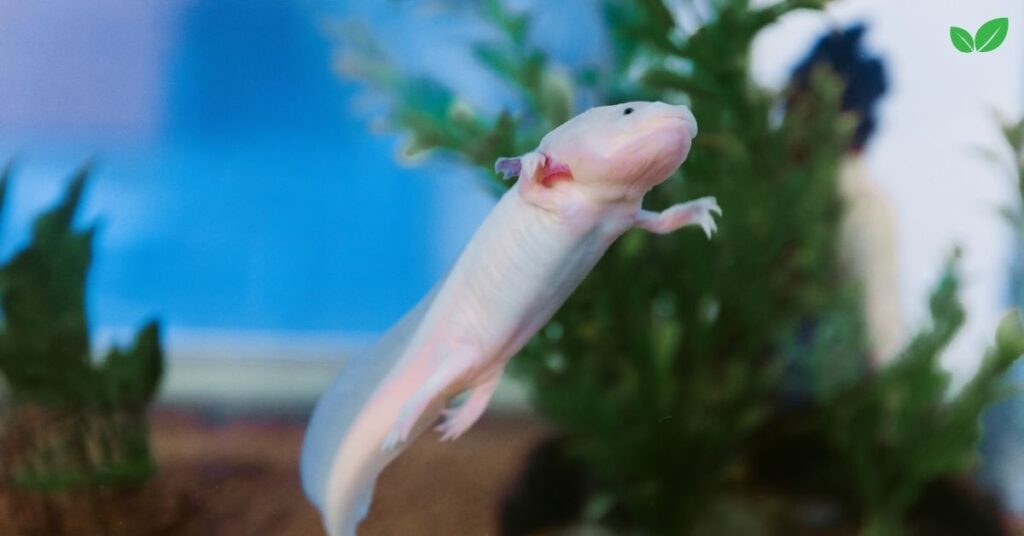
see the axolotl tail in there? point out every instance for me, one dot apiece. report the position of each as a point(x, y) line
point(346, 496)
point(336, 476)
point(341, 452)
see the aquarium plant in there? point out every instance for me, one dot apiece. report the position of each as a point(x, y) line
point(1013, 133)
point(70, 420)
point(1004, 442)
point(684, 373)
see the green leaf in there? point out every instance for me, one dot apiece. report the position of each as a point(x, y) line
point(44, 339)
point(57, 220)
point(556, 97)
point(497, 59)
point(1010, 334)
point(130, 378)
point(961, 38)
point(1014, 133)
point(992, 34)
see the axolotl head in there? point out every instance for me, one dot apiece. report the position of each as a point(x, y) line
point(610, 153)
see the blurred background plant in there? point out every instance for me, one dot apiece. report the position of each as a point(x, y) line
point(1002, 447)
point(1013, 133)
point(691, 378)
point(69, 420)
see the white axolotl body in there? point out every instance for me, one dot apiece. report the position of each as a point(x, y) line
point(578, 192)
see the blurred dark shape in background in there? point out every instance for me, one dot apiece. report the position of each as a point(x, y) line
point(869, 250)
point(550, 492)
point(863, 77)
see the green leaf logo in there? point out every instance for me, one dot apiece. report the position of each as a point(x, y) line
point(986, 39)
point(962, 39)
point(991, 34)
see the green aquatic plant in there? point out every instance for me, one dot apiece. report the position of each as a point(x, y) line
point(1013, 133)
point(897, 430)
point(1007, 428)
point(678, 356)
point(72, 420)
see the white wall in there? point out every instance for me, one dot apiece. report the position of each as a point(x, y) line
point(940, 111)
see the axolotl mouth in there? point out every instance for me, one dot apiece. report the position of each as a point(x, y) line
point(683, 113)
point(676, 128)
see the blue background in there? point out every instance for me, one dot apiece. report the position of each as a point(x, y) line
point(237, 179)
point(243, 194)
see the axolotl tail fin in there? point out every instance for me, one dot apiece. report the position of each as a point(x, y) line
point(343, 488)
point(360, 507)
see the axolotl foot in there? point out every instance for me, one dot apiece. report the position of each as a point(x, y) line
point(452, 426)
point(699, 212)
point(458, 420)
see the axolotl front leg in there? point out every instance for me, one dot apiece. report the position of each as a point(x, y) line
point(697, 212)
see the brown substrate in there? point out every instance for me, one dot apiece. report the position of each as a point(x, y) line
point(239, 477)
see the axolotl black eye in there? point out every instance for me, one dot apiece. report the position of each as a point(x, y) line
point(627, 111)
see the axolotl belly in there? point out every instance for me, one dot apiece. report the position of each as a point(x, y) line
point(576, 194)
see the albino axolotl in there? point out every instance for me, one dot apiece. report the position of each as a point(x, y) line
point(577, 192)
